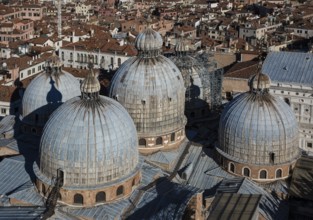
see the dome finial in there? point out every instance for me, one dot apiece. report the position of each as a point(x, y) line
point(53, 64)
point(90, 86)
point(149, 42)
point(260, 82)
point(181, 47)
point(149, 21)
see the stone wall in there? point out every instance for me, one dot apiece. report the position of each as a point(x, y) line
point(89, 196)
point(152, 144)
point(255, 170)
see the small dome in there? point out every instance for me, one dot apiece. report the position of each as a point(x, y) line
point(149, 40)
point(254, 126)
point(260, 82)
point(94, 142)
point(90, 84)
point(45, 93)
point(181, 46)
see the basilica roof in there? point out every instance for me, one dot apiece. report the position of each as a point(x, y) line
point(91, 138)
point(151, 88)
point(258, 128)
point(47, 92)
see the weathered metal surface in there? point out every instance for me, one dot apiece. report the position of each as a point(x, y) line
point(201, 77)
point(148, 40)
point(151, 88)
point(254, 125)
point(289, 67)
point(93, 141)
point(45, 93)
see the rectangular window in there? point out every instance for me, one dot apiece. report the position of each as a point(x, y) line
point(3, 110)
point(309, 145)
point(29, 72)
point(33, 70)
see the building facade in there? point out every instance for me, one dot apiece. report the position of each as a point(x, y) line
point(291, 74)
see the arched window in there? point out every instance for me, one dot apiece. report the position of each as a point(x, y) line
point(62, 55)
point(263, 174)
point(119, 61)
point(85, 58)
point(142, 142)
point(78, 57)
point(287, 101)
point(96, 59)
point(34, 131)
point(279, 173)
point(112, 61)
point(120, 191)
point(71, 56)
point(246, 172)
point(159, 141)
point(100, 197)
point(78, 199)
point(134, 182)
point(173, 137)
point(232, 167)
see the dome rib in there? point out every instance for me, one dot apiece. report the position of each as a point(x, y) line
point(99, 136)
point(258, 123)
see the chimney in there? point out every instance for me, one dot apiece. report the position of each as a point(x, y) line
point(246, 46)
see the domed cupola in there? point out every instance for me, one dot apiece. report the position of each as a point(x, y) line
point(89, 147)
point(151, 88)
point(181, 47)
point(195, 79)
point(46, 93)
point(149, 43)
point(258, 134)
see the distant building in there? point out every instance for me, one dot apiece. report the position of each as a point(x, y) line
point(107, 54)
point(292, 80)
point(255, 30)
point(16, 30)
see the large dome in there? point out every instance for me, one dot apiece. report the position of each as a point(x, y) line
point(92, 142)
point(45, 93)
point(90, 146)
point(259, 128)
point(253, 126)
point(196, 81)
point(151, 88)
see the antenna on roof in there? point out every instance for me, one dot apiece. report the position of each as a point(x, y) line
point(59, 18)
point(149, 20)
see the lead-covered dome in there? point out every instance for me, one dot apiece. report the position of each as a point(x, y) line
point(258, 128)
point(151, 88)
point(93, 141)
point(148, 40)
point(196, 81)
point(47, 92)
point(256, 124)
